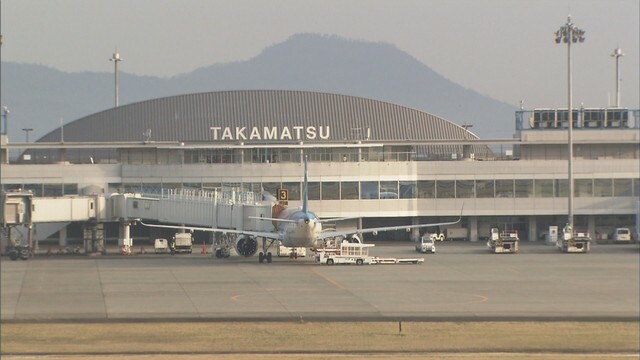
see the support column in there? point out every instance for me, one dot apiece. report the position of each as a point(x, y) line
point(87, 236)
point(415, 232)
point(533, 228)
point(62, 237)
point(473, 228)
point(5, 240)
point(99, 239)
point(94, 238)
point(591, 226)
point(125, 242)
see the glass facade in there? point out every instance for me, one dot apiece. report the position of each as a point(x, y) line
point(350, 190)
point(523, 188)
point(389, 189)
point(426, 189)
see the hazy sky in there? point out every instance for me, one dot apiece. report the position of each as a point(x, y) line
point(501, 48)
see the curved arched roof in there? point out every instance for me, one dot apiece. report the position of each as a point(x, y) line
point(191, 117)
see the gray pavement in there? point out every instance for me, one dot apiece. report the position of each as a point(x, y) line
point(463, 281)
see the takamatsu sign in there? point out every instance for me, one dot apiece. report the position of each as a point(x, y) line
point(270, 133)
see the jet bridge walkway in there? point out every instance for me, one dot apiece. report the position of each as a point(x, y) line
point(230, 209)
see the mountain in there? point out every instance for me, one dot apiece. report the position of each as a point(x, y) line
point(39, 97)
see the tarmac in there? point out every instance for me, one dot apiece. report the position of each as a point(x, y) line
point(462, 282)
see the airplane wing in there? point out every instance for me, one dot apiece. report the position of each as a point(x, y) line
point(294, 221)
point(272, 219)
point(337, 219)
point(330, 234)
point(264, 234)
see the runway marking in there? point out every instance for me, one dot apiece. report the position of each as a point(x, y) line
point(482, 298)
point(237, 298)
point(326, 278)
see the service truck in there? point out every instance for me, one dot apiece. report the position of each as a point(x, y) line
point(457, 233)
point(427, 243)
point(573, 242)
point(358, 254)
point(503, 242)
point(183, 243)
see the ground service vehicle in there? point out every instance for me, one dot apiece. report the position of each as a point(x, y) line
point(357, 253)
point(573, 242)
point(285, 251)
point(161, 246)
point(503, 242)
point(350, 253)
point(622, 235)
point(183, 243)
point(427, 244)
point(457, 233)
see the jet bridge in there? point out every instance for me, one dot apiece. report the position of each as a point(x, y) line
point(16, 211)
point(182, 207)
point(21, 208)
point(194, 207)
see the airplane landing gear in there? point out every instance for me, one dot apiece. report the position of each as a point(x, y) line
point(265, 254)
point(19, 252)
point(222, 253)
point(262, 257)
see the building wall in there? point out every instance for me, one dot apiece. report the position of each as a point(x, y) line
point(589, 175)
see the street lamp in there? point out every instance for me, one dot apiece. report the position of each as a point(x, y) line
point(116, 59)
point(26, 133)
point(5, 123)
point(466, 148)
point(617, 53)
point(569, 34)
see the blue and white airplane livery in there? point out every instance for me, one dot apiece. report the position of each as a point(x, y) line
point(294, 227)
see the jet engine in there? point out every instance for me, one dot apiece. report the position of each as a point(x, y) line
point(246, 245)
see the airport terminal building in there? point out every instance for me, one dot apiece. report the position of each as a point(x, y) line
point(381, 163)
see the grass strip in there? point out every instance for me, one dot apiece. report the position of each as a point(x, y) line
point(313, 337)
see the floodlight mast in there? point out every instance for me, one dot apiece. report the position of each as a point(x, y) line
point(617, 53)
point(116, 59)
point(568, 34)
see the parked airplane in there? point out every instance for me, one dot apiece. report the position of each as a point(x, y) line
point(294, 227)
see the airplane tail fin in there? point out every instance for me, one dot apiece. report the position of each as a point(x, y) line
point(305, 188)
point(267, 196)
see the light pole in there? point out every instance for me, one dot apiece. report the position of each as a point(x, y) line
point(617, 53)
point(26, 133)
point(116, 59)
point(5, 122)
point(569, 34)
point(466, 148)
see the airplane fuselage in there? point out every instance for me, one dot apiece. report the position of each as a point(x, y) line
point(301, 229)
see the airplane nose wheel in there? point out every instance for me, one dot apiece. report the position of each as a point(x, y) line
point(262, 257)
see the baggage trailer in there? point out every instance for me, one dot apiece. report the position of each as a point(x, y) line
point(290, 252)
point(379, 260)
point(503, 242)
point(358, 254)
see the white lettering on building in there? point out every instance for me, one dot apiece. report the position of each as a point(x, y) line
point(255, 134)
point(271, 133)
